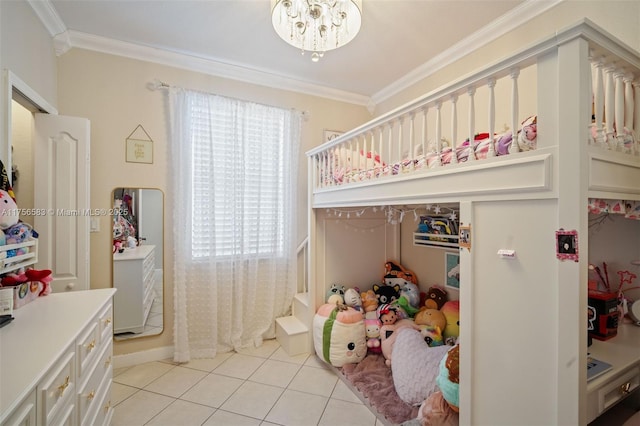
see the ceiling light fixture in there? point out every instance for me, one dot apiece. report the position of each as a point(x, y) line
point(316, 25)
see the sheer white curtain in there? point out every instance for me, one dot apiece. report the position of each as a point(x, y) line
point(234, 166)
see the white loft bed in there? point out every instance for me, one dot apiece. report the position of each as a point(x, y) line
point(523, 326)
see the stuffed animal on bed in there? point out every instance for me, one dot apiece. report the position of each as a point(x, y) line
point(528, 135)
point(388, 334)
point(451, 312)
point(335, 294)
point(431, 317)
point(436, 297)
point(432, 335)
point(369, 304)
point(395, 270)
point(352, 298)
point(339, 335)
point(372, 330)
point(448, 379)
point(386, 294)
point(415, 366)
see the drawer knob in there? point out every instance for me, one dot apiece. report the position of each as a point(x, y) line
point(107, 362)
point(91, 395)
point(63, 386)
point(108, 321)
point(625, 388)
point(106, 407)
point(91, 345)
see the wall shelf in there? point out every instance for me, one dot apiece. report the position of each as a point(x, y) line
point(14, 263)
point(442, 241)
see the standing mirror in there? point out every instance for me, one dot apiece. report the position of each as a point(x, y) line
point(138, 252)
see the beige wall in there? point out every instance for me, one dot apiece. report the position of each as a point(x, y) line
point(26, 48)
point(619, 17)
point(112, 93)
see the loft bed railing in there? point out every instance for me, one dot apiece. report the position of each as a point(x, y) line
point(411, 139)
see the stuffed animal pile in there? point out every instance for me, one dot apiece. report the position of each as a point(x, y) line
point(413, 331)
point(28, 283)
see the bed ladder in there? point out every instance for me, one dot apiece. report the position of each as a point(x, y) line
point(292, 332)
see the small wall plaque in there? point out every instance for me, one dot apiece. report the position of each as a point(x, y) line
point(139, 146)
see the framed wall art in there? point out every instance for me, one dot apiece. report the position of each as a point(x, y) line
point(328, 135)
point(452, 270)
point(139, 146)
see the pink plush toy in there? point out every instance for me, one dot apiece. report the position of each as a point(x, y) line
point(372, 328)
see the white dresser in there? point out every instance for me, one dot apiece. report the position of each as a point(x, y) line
point(55, 361)
point(134, 277)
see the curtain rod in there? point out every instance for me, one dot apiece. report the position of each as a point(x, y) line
point(158, 84)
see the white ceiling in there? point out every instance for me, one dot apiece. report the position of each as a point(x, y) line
point(400, 41)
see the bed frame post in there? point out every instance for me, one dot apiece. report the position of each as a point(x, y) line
point(454, 128)
point(636, 119)
point(598, 103)
point(424, 110)
point(438, 161)
point(619, 112)
point(381, 131)
point(492, 117)
point(400, 144)
point(609, 107)
point(514, 147)
point(412, 154)
point(472, 117)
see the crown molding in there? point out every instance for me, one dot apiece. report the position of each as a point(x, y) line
point(66, 39)
point(209, 66)
point(501, 26)
point(48, 16)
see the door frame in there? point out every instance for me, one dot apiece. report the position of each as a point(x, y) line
point(12, 86)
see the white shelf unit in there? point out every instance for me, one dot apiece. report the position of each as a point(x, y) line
point(14, 263)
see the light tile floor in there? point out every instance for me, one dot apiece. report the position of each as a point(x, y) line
point(262, 386)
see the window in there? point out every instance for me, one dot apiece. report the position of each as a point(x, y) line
point(241, 188)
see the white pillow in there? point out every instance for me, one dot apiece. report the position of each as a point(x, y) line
point(414, 366)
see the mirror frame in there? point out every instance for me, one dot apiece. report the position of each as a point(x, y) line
point(160, 256)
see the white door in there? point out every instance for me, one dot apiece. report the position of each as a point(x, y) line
point(61, 196)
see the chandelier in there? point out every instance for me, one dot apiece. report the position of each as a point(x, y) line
point(316, 25)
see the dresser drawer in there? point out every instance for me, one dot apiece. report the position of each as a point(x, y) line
point(88, 393)
point(105, 323)
point(104, 410)
point(618, 389)
point(148, 265)
point(25, 413)
point(56, 390)
point(66, 416)
point(87, 347)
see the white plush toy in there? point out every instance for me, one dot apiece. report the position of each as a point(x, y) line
point(339, 335)
point(8, 211)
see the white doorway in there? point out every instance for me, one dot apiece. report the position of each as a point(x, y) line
point(52, 178)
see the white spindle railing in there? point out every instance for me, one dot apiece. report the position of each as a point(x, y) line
point(515, 103)
point(492, 116)
point(609, 106)
point(598, 104)
point(619, 110)
point(471, 91)
point(403, 141)
point(438, 161)
point(454, 128)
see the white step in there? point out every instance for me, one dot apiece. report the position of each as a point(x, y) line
point(301, 307)
point(293, 335)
